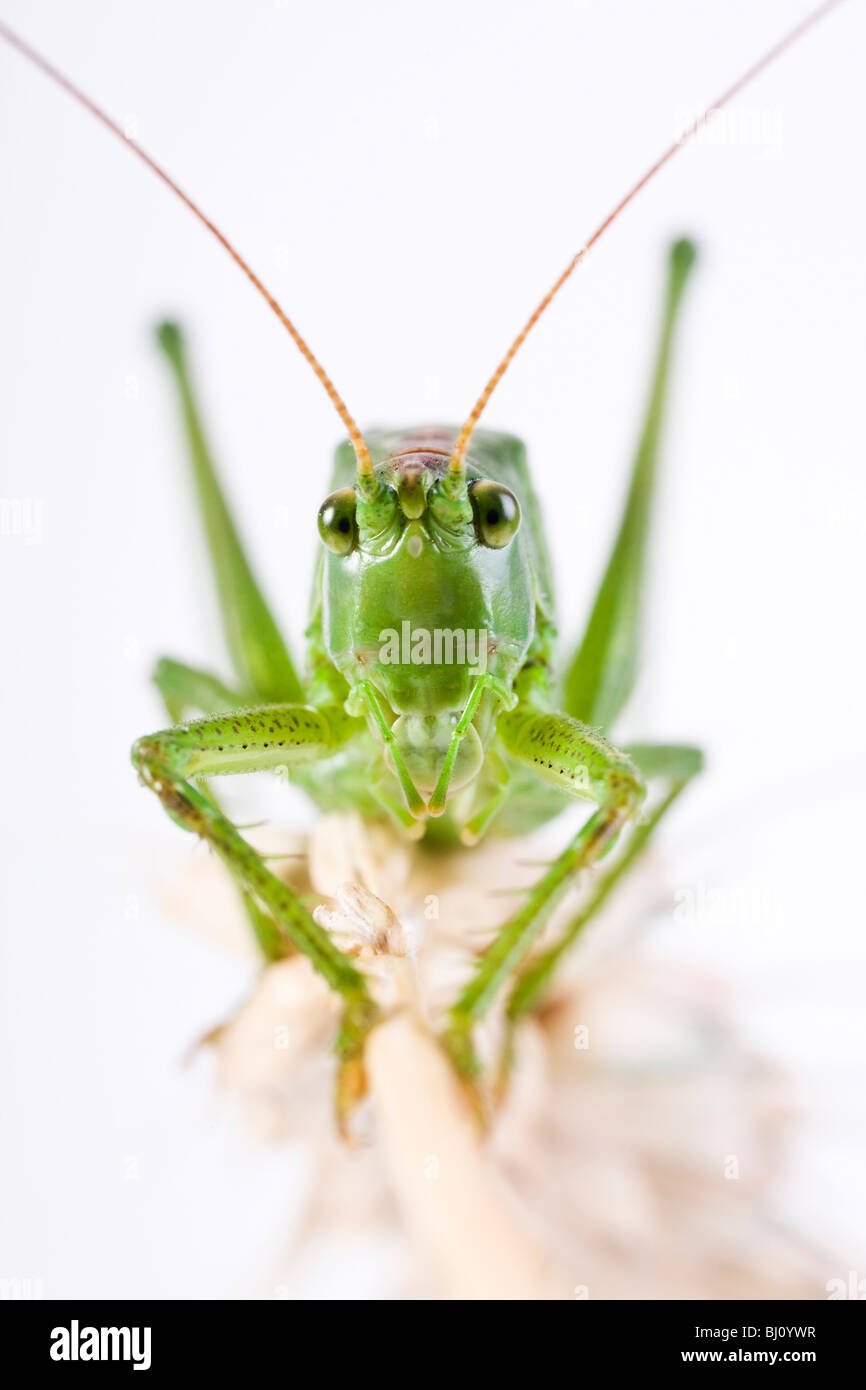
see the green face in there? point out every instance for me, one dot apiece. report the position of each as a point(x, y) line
point(425, 589)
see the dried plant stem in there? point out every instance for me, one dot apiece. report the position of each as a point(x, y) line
point(456, 1204)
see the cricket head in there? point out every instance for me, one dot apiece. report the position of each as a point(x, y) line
point(428, 590)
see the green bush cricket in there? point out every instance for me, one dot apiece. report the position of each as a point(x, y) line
point(432, 693)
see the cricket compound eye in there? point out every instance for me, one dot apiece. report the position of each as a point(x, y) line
point(496, 512)
point(338, 526)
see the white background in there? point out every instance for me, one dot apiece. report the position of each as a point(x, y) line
point(408, 180)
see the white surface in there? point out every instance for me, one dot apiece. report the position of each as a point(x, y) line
point(409, 180)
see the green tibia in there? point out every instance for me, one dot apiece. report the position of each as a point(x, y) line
point(581, 762)
point(677, 765)
point(602, 671)
point(250, 741)
point(259, 654)
point(187, 691)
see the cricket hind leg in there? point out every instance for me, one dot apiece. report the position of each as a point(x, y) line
point(260, 656)
point(602, 671)
point(187, 689)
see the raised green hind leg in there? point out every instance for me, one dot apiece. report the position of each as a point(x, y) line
point(259, 654)
point(602, 671)
point(186, 690)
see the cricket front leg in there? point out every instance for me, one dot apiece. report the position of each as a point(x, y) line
point(187, 691)
point(252, 741)
point(674, 765)
point(578, 760)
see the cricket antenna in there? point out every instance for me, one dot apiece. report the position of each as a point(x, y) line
point(456, 466)
point(362, 453)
